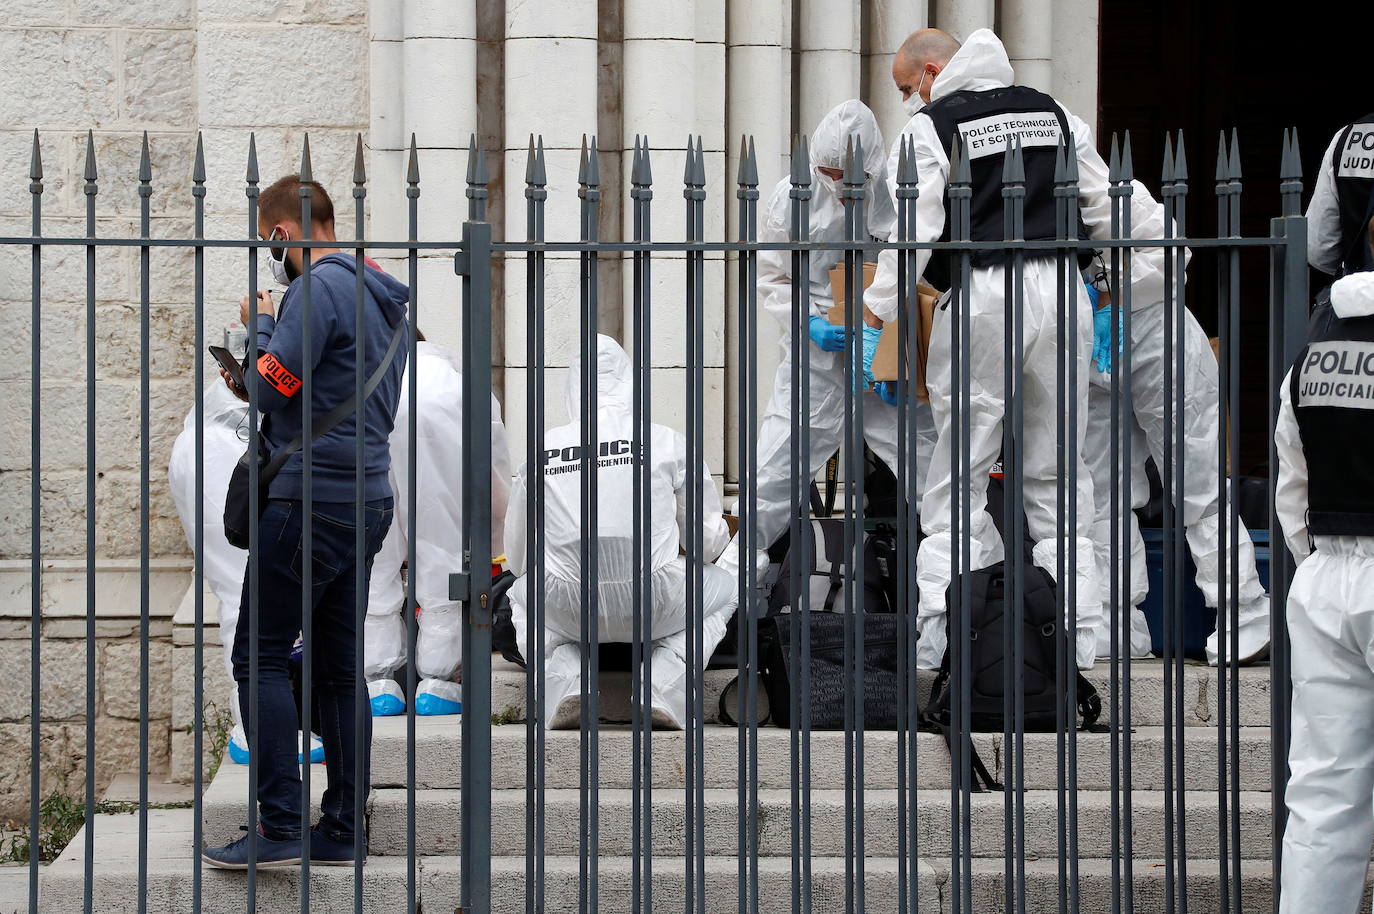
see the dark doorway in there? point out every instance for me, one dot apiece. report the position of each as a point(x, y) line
point(1204, 67)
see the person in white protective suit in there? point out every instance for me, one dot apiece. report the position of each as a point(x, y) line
point(1337, 215)
point(438, 540)
point(968, 90)
point(617, 569)
point(846, 122)
point(1200, 428)
point(1325, 503)
point(225, 440)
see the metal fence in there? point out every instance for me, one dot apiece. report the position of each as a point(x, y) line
point(867, 819)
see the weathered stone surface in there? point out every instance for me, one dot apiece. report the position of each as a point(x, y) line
point(218, 685)
point(64, 514)
point(64, 266)
point(16, 148)
point(62, 670)
point(117, 157)
point(120, 672)
point(158, 69)
point(34, 12)
point(62, 756)
point(162, 13)
point(270, 95)
point(311, 11)
point(68, 77)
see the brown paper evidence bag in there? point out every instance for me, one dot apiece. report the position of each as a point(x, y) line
point(885, 361)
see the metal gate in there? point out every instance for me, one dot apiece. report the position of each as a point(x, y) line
point(1176, 800)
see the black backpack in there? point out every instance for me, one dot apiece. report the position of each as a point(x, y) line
point(989, 613)
point(825, 567)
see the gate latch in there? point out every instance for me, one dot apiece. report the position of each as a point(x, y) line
point(459, 587)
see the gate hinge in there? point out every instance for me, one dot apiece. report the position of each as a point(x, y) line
point(460, 263)
point(459, 586)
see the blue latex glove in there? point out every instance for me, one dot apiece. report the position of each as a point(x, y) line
point(890, 392)
point(829, 337)
point(871, 335)
point(1102, 337)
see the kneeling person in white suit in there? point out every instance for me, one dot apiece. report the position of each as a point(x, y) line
point(438, 540)
point(617, 569)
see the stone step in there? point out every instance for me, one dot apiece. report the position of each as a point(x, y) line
point(437, 822)
point(436, 881)
point(438, 740)
point(1200, 687)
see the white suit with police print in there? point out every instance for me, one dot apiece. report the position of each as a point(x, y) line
point(438, 539)
point(564, 530)
point(981, 65)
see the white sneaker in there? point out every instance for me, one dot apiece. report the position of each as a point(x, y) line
point(1254, 635)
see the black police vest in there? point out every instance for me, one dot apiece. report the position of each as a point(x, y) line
point(1352, 166)
point(986, 120)
point(1332, 391)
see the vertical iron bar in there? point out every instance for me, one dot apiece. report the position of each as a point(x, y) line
point(1170, 192)
point(198, 545)
point(1063, 278)
point(1224, 575)
point(535, 195)
point(145, 192)
point(1010, 388)
point(408, 607)
point(90, 190)
point(643, 194)
point(1126, 518)
point(35, 530)
point(477, 463)
point(254, 505)
point(1233, 459)
point(307, 527)
point(362, 712)
point(1180, 255)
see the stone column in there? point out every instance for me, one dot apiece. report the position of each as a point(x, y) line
point(1028, 32)
point(892, 22)
point(758, 104)
point(829, 58)
point(1074, 69)
point(961, 18)
point(550, 89)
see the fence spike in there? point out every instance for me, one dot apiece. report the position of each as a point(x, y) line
point(477, 161)
point(251, 175)
point(359, 165)
point(35, 160)
point(700, 165)
point(1014, 164)
point(961, 169)
point(90, 172)
point(413, 168)
point(529, 162)
point(1180, 159)
point(1167, 172)
point(145, 162)
point(853, 156)
point(1223, 160)
point(540, 173)
point(593, 166)
point(1235, 155)
point(1291, 167)
point(1061, 168)
point(647, 165)
point(1127, 162)
point(1114, 161)
point(582, 163)
point(753, 176)
point(307, 174)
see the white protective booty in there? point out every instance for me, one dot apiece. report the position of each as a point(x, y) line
point(1254, 634)
point(436, 697)
point(1141, 646)
point(386, 698)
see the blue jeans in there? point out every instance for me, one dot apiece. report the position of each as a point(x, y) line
point(334, 642)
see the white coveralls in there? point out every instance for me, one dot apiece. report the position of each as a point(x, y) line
point(1200, 429)
point(982, 64)
point(226, 439)
point(438, 535)
point(616, 565)
point(1331, 629)
point(851, 119)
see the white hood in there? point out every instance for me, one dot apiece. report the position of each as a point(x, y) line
point(830, 142)
point(614, 379)
point(981, 64)
point(1353, 295)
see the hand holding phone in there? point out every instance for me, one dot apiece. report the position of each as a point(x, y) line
point(231, 368)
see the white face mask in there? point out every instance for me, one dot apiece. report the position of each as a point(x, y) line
point(278, 267)
point(913, 103)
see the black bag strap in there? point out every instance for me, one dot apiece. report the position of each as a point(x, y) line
point(329, 420)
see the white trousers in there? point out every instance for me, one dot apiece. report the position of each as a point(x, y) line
point(1331, 792)
point(774, 477)
point(1200, 429)
point(615, 621)
point(1039, 448)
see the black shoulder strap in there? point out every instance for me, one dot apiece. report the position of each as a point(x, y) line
point(326, 423)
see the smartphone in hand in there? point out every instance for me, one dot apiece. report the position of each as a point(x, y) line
point(232, 366)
